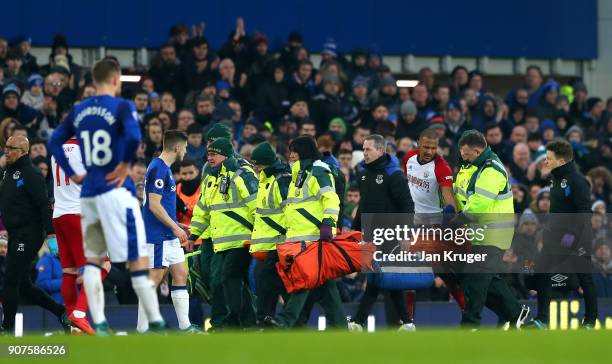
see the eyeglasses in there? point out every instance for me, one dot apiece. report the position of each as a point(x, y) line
point(10, 147)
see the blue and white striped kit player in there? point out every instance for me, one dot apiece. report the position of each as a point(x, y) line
point(163, 246)
point(108, 135)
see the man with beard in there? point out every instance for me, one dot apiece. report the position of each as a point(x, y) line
point(167, 74)
point(430, 180)
point(205, 107)
point(165, 235)
point(495, 138)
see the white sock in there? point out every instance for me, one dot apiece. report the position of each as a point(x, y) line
point(143, 323)
point(145, 291)
point(92, 281)
point(180, 300)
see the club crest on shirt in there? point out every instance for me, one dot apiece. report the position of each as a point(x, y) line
point(16, 175)
point(379, 179)
point(563, 183)
point(426, 174)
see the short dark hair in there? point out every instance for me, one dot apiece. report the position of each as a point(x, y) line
point(379, 104)
point(172, 138)
point(37, 141)
point(140, 162)
point(353, 188)
point(345, 151)
point(104, 70)
point(307, 121)
point(491, 126)
point(429, 133)
point(535, 68)
point(140, 92)
point(203, 98)
point(194, 129)
point(475, 139)
point(562, 149)
point(189, 163)
point(19, 126)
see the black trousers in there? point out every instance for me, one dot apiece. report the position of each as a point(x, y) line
point(553, 260)
point(235, 282)
point(23, 246)
point(544, 289)
point(269, 286)
point(396, 298)
point(484, 286)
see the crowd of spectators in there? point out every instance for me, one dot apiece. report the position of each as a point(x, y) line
point(277, 94)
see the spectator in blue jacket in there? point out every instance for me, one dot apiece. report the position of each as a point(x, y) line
point(49, 269)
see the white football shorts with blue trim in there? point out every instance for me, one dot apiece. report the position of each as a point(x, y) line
point(165, 254)
point(112, 222)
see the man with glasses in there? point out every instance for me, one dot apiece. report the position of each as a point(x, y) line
point(26, 213)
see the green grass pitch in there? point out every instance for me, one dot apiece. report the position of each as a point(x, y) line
point(424, 346)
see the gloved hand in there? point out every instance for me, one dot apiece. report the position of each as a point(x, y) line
point(567, 240)
point(447, 215)
point(326, 233)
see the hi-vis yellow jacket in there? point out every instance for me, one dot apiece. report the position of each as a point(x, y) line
point(311, 200)
point(484, 196)
point(226, 218)
point(270, 227)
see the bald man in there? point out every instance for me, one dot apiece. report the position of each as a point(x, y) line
point(26, 213)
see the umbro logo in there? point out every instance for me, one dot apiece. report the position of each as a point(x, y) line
point(558, 278)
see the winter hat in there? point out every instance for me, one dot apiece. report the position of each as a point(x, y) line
point(35, 80)
point(338, 122)
point(306, 147)
point(408, 108)
point(59, 41)
point(329, 47)
point(222, 85)
point(575, 128)
point(542, 192)
point(528, 217)
point(548, 124)
point(597, 204)
point(591, 101)
point(11, 87)
point(259, 38)
point(437, 122)
point(360, 81)
point(454, 104)
point(221, 146)
point(263, 154)
point(550, 85)
point(218, 131)
point(387, 81)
